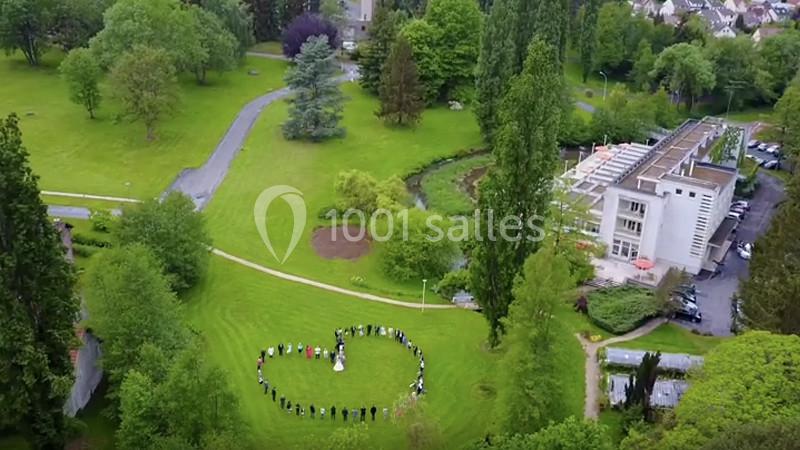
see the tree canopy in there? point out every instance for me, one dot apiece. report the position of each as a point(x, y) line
point(38, 307)
point(83, 74)
point(685, 70)
point(401, 94)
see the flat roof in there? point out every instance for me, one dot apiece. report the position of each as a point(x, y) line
point(668, 154)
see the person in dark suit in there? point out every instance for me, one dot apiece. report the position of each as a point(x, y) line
point(363, 413)
point(273, 393)
point(333, 412)
point(372, 411)
point(345, 412)
point(312, 410)
point(283, 401)
point(297, 409)
point(280, 349)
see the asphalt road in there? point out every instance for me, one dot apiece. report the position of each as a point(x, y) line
point(201, 184)
point(714, 298)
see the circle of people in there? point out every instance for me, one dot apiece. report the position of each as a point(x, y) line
point(417, 386)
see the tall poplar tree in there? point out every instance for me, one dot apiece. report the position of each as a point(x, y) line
point(520, 185)
point(588, 36)
point(552, 25)
point(495, 65)
point(38, 307)
point(402, 96)
point(771, 295)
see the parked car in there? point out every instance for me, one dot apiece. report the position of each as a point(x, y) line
point(734, 215)
point(773, 150)
point(744, 250)
point(687, 309)
point(762, 147)
point(739, 210)
point(742, 203)
point(753, 144)
point(772, 165)
point(685, 295)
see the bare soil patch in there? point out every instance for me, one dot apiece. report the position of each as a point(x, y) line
point(340, 242)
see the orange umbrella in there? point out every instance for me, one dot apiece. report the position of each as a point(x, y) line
point(644, 264)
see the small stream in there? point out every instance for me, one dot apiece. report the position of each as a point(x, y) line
point(414, 182)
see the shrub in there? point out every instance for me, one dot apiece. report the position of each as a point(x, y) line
point(304, 27)
point(101, 220)
point(89, 241)
point(622, 309)
point(361, 191)
point(453, 282)
point(419, 256)
point(83, 251)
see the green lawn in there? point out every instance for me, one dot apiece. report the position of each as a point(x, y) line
point(672, 338)
point(443, 187)
point(268, 159)
point(273, 47)
point(240, 311)
point(87, 203)
point(595, 83)
point(72, 153)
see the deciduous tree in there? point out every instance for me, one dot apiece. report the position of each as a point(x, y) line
point(24, 26)
point(781, 59)
point(401, 94)
point(304, 27)
point(175, 233)
point(157, 24)
point(38, 307)
point(587, 41)
point(316, 107)
point(218, 44)
point(529, 395)
point(132, 305)
point(526, 151)
point(640, 73)
point(418, 253)
point(684, 69)
point(787, 112)
point(145, 83)
point(770, 293)
point(422, 37)
point(750, 378)
point(83, 73)
point(237, 18)
point(571, 434)
point(495, 66)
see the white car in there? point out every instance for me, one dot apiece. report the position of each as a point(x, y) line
point(744, 254)
point(742, 204)
point(761, 147)
point(773, 150)
point(735, 215)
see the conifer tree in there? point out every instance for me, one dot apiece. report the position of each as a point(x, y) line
point(316, 107)
point(402, 96)
point(37, 304)
point(520, 185)
point(382, 33)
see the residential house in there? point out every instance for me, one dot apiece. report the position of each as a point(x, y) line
point(645, 7)
point(759, 14)
point(737, 6)
point(766, 33)
point(723, 31)
point(359, 17)
point(678, 7)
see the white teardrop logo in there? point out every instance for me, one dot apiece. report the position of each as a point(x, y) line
point(294, 199)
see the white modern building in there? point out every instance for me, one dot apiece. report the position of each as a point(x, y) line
point(666, 203)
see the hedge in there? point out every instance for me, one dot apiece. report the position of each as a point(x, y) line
point(622, 309)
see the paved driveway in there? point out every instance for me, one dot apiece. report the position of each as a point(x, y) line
point(715, 293)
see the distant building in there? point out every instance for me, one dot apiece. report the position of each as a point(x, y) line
point(646, 7)
point(359, 17)
point(666, 203)
point(765, 33)
point(666, 393)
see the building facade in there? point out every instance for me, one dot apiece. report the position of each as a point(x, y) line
point(666, 203)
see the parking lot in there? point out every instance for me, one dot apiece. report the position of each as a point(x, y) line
point(761, 156)
point(715, 292)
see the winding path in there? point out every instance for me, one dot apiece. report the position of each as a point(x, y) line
point(325, 286)
point(591, 408)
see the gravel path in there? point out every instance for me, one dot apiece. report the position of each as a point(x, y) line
point(325, 286)
point(74, 212)
point(591, 409)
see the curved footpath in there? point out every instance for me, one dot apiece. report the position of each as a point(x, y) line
point(591, 408)
point(327, 287)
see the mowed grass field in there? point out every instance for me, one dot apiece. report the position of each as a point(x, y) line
point(239, 311)
point(443, 187)
point(73, 153)
point(268, 160)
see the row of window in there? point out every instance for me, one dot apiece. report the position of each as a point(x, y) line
point(625, 249)
point(680, 192)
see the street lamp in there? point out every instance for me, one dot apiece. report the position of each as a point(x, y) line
point(424, 283)
point(605, 84)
